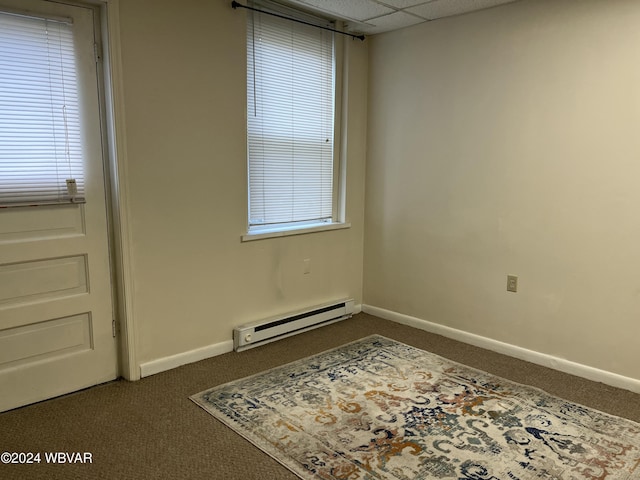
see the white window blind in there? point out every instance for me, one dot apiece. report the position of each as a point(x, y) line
point(290, 122)
point(40, 149)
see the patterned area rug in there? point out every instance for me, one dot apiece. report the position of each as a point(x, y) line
point(379, 409)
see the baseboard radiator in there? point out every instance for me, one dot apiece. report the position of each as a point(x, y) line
point(275, 328)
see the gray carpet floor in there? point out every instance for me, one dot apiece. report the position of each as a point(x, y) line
point(151, 430)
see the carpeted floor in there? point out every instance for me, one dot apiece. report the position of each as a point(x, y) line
point(150, 429)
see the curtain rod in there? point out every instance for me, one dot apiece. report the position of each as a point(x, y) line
point(235, 5)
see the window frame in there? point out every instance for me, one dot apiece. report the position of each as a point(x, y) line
point(339, 167)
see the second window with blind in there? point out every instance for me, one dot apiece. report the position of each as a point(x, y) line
point(291, 113)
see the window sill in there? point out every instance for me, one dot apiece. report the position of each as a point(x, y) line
point(294, 231)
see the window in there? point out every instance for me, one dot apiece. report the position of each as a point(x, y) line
point(291, 71)
point(40, 151)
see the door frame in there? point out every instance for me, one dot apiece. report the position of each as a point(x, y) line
point(118, 205)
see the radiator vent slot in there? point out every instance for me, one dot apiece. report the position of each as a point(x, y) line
point(275, 328)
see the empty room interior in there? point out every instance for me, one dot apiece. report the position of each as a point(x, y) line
point(494, 143)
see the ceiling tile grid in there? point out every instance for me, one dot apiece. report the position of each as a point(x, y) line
point(378, 16)
point(447, 8)
point(359, 10)
point(402, 3)
point(386, 23)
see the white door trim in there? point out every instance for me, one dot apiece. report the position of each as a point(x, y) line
point(122, 240)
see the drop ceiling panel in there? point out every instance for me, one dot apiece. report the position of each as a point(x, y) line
point(377, 16)
point(386, 23)
point(404, 3)
point(352, 9)
point(447, 8)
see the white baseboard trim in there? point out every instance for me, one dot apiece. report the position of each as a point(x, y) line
point(556, 363)
point(174, 361)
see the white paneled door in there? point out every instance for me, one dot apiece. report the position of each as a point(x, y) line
point(56, 307)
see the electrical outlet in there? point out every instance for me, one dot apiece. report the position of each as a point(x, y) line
point(512, 283)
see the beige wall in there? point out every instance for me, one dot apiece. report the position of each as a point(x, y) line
point(183, 65)
point(506, 142)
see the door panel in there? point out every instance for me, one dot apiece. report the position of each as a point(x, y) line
point(39, 280)
point(55, 283)
point(45, 340)
point(41, 223)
